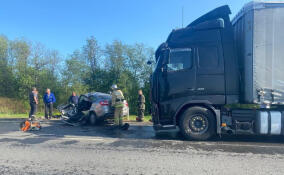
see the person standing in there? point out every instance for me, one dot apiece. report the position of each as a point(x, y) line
point(73, 99)
point(33, 97)
point(49, 100)
point(117, 103)
point(140, 106)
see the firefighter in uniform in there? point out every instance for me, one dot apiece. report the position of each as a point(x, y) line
point(117, 103)
point(140, 106)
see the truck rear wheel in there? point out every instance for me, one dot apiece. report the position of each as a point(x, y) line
point(197, 123)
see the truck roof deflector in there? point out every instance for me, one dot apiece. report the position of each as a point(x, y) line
point(219, 12)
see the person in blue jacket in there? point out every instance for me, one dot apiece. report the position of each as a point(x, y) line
point(49, 100)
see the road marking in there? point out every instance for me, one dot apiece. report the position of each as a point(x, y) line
point(16, 135)
point(83, 138)
point(238, 145)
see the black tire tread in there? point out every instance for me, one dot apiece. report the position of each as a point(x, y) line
point(211, 122)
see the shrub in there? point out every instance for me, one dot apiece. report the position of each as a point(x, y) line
point(13, 106)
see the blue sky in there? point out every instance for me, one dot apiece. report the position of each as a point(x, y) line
point(65, 24)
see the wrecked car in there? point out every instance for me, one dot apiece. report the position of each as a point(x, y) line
point(91, 108)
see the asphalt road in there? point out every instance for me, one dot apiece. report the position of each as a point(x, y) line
point(63, 149)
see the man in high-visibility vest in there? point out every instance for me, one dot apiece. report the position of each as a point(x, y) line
point(117, 103)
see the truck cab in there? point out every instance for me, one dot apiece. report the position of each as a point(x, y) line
point(196, 65)
point(197, 75)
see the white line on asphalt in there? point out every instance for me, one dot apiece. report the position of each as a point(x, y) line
point(52, 137)
point(83, 139)
point(15, 135)
point(237, 145)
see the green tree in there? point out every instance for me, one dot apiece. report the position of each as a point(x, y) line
point(7, 79)
point(19, 55)
point(115, 59)
point(74, 73)
point(92, 56)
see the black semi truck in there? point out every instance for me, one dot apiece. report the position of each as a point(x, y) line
point(218, 76)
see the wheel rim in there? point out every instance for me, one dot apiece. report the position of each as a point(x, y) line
point(198, 124)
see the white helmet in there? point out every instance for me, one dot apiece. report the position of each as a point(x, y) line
point(114, 86)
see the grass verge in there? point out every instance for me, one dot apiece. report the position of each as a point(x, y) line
point(14, 115)
point(133, 118)
point(23, 115)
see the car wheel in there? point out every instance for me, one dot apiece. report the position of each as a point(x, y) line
point(197, 123)
point(93, 119)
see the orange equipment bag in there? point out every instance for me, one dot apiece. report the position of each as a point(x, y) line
point(30, 125)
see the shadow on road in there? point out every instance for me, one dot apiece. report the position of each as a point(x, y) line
point(139, 135)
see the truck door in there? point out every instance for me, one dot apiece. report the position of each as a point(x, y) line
point(177, 79)
point(180, 73)
point(210, 79)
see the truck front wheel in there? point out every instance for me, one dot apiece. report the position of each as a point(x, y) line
point(197, 123)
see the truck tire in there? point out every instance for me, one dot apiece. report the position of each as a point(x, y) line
point(93, 119)
point(197, 123)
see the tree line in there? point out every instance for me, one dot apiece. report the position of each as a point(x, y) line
point(91, 68)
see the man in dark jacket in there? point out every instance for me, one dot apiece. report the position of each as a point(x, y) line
point(140, 106)
point(48, 100)
point(73, 99)
point(33, 97)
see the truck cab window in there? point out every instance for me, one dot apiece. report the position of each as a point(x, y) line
point(180, 59)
